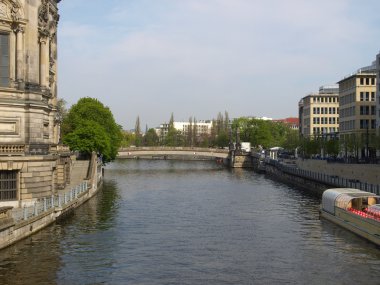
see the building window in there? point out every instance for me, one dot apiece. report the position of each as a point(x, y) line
point(4, 60)
point(8, 185)
point(361, 81)
point(373, 96)
point(364, 124)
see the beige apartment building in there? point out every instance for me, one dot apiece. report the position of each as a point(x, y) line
point(30, 167)
point(357, 103)
point(319, 113)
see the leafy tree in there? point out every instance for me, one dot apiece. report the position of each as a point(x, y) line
point(195, 132)
point(61, 110)
point(128, 139)
point(190, 140)
point(260, 132)
point(173, 137)
point(90, 126)
point(226, 121)
point(151, 138)
point(332, 147)
point(138, 137)
point(292, 140)
point(222, 139)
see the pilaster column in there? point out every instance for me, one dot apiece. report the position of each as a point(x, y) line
point(20, 54)
point(44, 62)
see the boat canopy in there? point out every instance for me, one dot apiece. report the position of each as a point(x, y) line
point(374, 210)
point(343, 198)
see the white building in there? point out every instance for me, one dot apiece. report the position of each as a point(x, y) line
point(202, 128)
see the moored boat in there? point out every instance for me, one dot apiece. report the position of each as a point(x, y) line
point(353, 209)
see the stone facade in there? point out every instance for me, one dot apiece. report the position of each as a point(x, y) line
point(29, 124)
point(28, 89)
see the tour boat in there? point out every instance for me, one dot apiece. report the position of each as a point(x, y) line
point(355, 210)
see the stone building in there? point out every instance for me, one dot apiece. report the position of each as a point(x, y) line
point(319, 113)
point(30, 167)
point(357, 103)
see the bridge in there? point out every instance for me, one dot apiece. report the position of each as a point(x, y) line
point(134, 152)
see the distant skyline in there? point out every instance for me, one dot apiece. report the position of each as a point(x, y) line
point(150, 58)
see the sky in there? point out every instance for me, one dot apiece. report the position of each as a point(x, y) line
point(195, 58)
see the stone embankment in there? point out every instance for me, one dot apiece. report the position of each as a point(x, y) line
point(16, 224)
point(318, 181)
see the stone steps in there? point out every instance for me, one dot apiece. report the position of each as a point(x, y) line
point(78, 173)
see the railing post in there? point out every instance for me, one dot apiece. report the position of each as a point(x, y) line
point(52, 201)
point(35, 209)
point(45, 204)
point(59, 200)
point(25, 212)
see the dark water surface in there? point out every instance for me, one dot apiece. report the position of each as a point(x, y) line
point(165, 222)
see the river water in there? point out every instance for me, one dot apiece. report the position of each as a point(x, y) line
point(176, 222)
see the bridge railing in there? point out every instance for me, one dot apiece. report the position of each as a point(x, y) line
point(165, 148)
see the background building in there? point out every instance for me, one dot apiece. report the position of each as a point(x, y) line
point(319, 112)
point(357, 103)
point(201, 127)
point(291, 122)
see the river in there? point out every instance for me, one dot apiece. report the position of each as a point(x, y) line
point(178, 222)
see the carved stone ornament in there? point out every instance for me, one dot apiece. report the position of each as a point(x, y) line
point(10, 10)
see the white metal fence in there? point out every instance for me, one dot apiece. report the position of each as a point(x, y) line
point(47, 203)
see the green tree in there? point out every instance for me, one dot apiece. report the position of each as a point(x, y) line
point(332, 147)
point(61, 110)
point(138, 137)
point(261, 132)
point(90, 126)
point(292, 140)
point(151, 138)
point(189, 140)
point(222, 139)
point(128, 139)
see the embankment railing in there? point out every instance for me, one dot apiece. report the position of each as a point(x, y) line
point(333, 180)
point(45, 204)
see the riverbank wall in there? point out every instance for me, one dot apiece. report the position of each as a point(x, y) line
point(314, 181)
point(17, 224)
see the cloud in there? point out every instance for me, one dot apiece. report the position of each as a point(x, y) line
point(200, 57)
